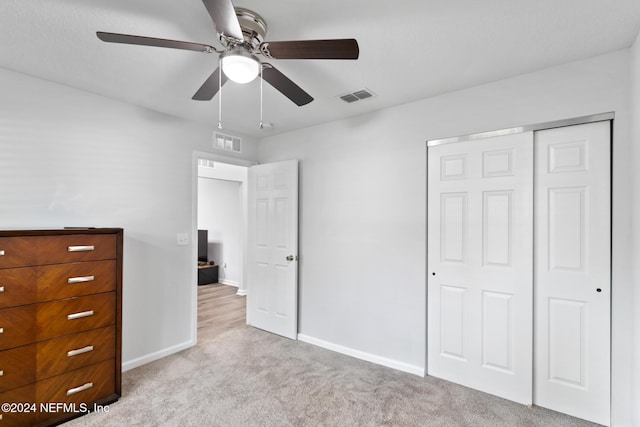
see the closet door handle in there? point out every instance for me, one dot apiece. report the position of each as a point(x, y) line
point(86, 248)
point(80, 315)
point(79, 389)
point(81, 279)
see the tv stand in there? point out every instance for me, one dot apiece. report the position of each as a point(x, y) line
point(207, 274)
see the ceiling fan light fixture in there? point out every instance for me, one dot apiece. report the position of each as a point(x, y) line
point(240, 66)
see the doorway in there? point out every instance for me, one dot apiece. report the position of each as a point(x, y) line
point(221, 212)
point(219, 218)
point(519, 258)
point(270, 201)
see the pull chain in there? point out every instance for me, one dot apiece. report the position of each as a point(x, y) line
point(220, 93)
point(261, 126)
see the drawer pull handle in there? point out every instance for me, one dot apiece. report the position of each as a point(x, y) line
point(79, 389)
point(80, 315)
point(2, 373)
point(81, 248)
point(81, 279)
point(1, 330)
point(1, 252)
point(1, 289)
point(86, 349)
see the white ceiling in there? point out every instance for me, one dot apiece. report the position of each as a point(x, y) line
point(409, 49)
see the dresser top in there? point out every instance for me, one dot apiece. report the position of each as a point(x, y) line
point(60, 231)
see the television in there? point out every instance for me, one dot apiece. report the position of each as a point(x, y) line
point(203, 246)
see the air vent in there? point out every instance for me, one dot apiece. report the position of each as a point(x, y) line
point(227, 142)
point(357, 95)
point(206, 163)
point(349, 98)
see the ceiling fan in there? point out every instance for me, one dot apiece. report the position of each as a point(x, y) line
point(241, 33)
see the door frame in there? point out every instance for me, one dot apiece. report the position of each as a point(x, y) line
point(608, 116)
point(193, 312)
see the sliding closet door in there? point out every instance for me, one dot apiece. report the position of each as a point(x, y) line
point(572, 270)
point(480, 252)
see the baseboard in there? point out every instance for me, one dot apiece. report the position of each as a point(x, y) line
point(379, 360)
point(130, 364)
point(229, 282)
point(241, 292)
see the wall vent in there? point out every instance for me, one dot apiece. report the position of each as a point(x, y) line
point(357, 95)
point(227, 142)
point(206, 163)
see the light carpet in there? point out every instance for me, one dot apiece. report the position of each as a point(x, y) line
point(247, 377)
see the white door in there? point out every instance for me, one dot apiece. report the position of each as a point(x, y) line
point(573, 268)
point(480, 254)
point(272, 285)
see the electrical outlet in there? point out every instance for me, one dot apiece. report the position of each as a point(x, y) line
point(182, 239)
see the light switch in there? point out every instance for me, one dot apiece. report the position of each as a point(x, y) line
point(183, 239)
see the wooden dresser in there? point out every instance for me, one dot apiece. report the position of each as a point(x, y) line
point(60, 323)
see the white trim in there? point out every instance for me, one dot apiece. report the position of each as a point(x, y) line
point(156, 356)
point(222, 159)
point(229, 283)
point(389, 363)
point(241, 292)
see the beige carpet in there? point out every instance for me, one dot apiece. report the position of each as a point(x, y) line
point(247, 377)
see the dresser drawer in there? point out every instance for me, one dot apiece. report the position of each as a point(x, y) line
point(19, 397)
point(83, 385)
point(17, 326)
point(17, 367)
point(17, 251)
point(81, 278)
point(60, 355)
point(17, 286)
point(68, 316)
point(76, 247)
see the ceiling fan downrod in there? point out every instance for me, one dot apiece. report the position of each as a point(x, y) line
point(261, 125)
point(220, 93)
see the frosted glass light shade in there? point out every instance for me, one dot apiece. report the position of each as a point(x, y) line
point(241, 67)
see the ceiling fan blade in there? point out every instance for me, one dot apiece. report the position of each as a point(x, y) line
point(151, 41)
point(210, 87)
point(288, 88)
point(312, 49)
point(224, 17)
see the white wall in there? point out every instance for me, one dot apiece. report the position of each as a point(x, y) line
point(363, 215)
point(635, 159)
point(71, 158)
point(219, 212)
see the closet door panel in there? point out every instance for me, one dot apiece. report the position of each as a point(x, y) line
point(480, 217)
point(572, 270)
